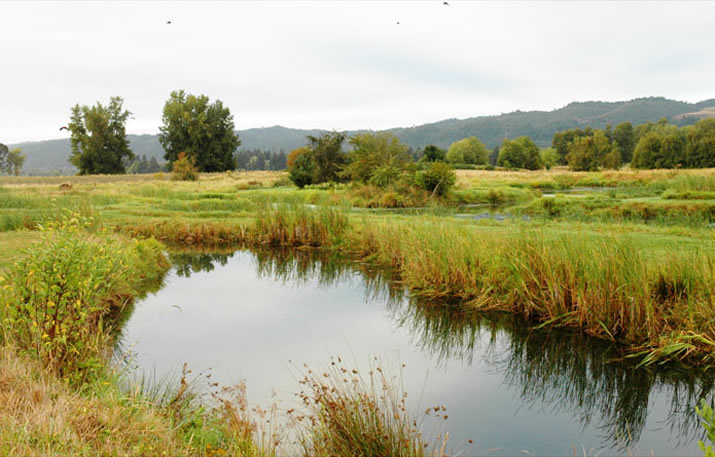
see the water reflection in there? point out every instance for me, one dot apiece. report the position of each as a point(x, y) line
point(560, 371)
point(187, 263)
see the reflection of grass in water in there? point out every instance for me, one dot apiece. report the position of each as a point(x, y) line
point(560, 369)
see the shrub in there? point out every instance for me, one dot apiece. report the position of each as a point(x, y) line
point(385, 175)
point(468, 151)
point(437, 178)
point(519, 153)
point(375, 151)
point(59, 295)
point(496, 197)
point(184, 169)
point(302, 171)
point(549, 157)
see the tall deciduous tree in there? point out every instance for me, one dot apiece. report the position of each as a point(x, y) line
point(588, 153)
point(625, 137)
point(433, 154)
point(373, 150)
point(15, 159)
point(519, 153)
point(99, 139)
point(664, 146)
point(4, 163)
point(203, 131)
point(468, 150)
point(561, 140)
point(700, 148)
point(326, 152)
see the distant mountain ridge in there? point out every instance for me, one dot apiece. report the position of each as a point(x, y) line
point(45, 156)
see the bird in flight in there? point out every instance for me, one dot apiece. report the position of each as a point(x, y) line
point(445, 3)
point(168, 22)
point(64, 127)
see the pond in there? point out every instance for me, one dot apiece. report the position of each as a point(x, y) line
point(512, 390)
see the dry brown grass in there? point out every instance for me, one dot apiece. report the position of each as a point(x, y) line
point(42, 416)
point(471, 178)
point(254, 178)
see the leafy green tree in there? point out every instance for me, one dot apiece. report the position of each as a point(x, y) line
point(372, 151)
point(561, 140)
point(468, 150)
point(549, 157)
point(202, 130)
point(700, 149)
point(587, 153)
point(437, 177)
point(434, 154)
point(613, 159)
point(519, 153)
point(664, 146)
point(98, 138)
point(302, 170)
point(4, 163)
point(326, 152)
point(16, 159)
point(624, 136)
point(295, 153)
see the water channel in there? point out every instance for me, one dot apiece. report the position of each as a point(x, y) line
point(512, 390)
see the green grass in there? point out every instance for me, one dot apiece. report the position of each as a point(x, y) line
point(634, 264)
point(13, 246)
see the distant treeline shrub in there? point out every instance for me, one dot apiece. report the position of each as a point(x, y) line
point(379, 162)
point(650, 145)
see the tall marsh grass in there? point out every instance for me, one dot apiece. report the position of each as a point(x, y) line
point(349, 413)
point(604, 285)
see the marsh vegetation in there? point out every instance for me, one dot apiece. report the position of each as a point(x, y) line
point(625, 257)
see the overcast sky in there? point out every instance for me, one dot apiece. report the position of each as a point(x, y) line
point(344, 65)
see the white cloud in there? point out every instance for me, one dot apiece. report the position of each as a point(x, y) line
point(344, 64)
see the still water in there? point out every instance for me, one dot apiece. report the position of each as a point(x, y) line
point(259, 316)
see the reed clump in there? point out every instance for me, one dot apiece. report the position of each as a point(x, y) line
point(298, 225)
point(348, 413)
point(603, 284)
point(189, 233)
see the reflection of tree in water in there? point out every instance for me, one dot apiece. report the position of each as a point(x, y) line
point(187, 263)
point(562, 370)
point(554, 369)
point(301, 266)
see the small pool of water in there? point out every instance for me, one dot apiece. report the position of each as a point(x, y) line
point(511, 390)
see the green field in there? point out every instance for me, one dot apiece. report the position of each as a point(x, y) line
point(627, 256)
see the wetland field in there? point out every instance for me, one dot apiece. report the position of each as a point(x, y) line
point(534, 313)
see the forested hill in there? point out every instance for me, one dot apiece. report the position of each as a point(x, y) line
point(45, 156)
point(541, 125)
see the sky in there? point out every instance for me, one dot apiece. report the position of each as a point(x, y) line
point(344, 65)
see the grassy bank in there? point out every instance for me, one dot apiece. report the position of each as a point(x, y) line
point(654, 294)
point(634, 264)
point(62, 395)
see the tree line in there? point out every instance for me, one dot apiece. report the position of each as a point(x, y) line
point(202, 132)
point(649, 145)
